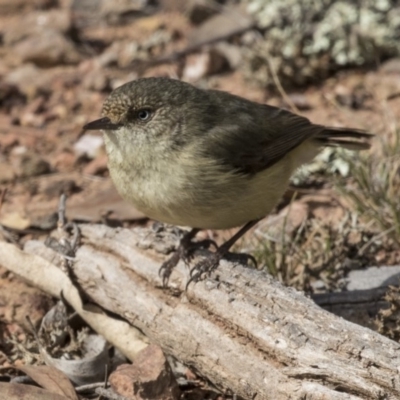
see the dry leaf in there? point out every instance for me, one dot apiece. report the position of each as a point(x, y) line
point(51, 379)
point(18, 391)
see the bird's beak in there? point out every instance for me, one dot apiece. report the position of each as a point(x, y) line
point(102, 123)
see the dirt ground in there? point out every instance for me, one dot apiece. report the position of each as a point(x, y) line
point(58, 62)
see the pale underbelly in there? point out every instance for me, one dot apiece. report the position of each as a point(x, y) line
point(212, 206)
point(208, 218)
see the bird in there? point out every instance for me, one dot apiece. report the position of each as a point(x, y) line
point(206, 159)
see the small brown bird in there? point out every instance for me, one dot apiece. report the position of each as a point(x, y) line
point(205, 158)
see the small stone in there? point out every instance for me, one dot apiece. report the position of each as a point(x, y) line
point(318, 286)
point(373, 277)
point(201, 65)
point(149, 377)
point(88, 145)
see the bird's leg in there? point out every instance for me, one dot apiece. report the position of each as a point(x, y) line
point(183, 252)
point(210, 263)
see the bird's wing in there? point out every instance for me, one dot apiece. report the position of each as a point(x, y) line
point(254, 139)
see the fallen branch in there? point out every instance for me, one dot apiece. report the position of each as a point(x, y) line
point(241, 329)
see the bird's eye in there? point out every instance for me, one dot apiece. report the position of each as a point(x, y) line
point(144, 115)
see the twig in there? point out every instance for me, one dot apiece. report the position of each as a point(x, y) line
point(374, 238)
point(64, 245)
point(2, 196)
point(173, 57)
point(89, 387)
point(280, 88)
point(108, 394)
point(61, 211)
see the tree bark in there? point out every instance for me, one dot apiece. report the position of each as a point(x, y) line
point(239, 328)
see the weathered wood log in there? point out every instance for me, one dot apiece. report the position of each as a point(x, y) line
point(240, 328)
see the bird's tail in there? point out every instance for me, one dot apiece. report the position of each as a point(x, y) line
point(352, 139)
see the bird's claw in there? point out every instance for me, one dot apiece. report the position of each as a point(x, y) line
point(185, 252)
point(209, 264)
point(167, 266)
point(204, 267)
point(246, 258)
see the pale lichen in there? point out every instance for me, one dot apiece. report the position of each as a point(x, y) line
point(306, 40)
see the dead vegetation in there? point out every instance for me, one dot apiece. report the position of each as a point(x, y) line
point(317, 254)
point(374, 187)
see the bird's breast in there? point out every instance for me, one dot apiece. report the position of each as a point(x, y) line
point(195, 192)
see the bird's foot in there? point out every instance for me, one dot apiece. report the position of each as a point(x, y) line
point(242, 258)
point(209, 264)
point(184, 252)
point(204, 267)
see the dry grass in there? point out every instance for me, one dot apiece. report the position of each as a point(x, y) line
point(388, 319)
point(318, 254)
point(374, 189)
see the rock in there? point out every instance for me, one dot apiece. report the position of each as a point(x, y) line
point(88, 145)
point(205, 64)
point(150, 377)
point(373, 277)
